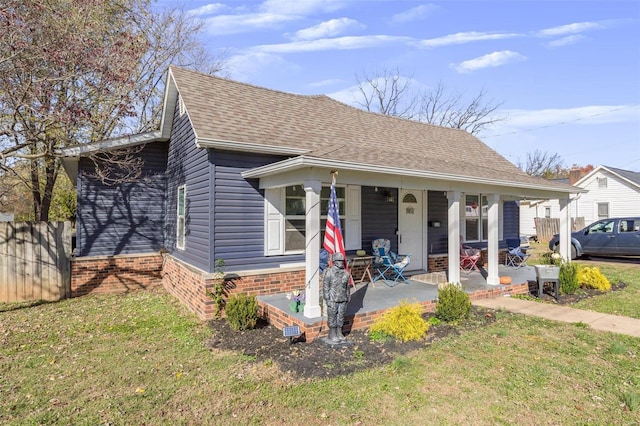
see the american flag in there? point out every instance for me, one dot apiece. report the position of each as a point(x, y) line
point(333, 241)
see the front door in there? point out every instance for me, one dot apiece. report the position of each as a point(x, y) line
point(410, 227)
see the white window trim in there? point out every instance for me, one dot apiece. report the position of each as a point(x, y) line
point(275, 220)
point(181, 245)
point(598, 204)
point(463, 222)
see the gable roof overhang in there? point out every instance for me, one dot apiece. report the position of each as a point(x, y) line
point(70, 157)
point(624, 175)
point(277, 174)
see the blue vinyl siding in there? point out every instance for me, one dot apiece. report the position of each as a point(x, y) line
point(238, 215)
point(511, 227)
point(379, 218)
point(126, 218)
point(190, 166)
point(438, 206)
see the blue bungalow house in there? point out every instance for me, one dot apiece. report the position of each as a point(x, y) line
point(242, 173)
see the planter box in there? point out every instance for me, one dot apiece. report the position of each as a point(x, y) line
point(547, 272)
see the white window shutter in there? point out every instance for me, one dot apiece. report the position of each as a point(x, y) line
point(273, 222)
point(353, 233)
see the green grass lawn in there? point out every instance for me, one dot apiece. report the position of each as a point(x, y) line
point(142, 359)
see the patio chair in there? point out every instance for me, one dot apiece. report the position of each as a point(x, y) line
point(516, 256)
point(388, 265)
point(469, 257)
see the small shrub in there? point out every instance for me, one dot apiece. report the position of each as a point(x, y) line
point(593, 278)
point(434, 321)
point(404, 322)
point(218, 292)
point(379, 336)
point(453, 303)
point(569, 278)
point(242, 312)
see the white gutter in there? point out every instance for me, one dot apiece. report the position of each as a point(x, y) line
point(301, 162)
point(248, 147)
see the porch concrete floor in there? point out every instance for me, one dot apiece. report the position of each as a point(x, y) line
point(370, 297)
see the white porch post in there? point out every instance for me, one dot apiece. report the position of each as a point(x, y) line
point(312, 249)
point(454, 236)
point(565, 228)
point(493, 277)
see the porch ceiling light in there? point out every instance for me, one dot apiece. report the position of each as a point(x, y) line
point(390, 197)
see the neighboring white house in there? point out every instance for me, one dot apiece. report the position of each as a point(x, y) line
point(611, 192)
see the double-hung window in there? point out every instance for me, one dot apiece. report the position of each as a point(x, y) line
point(476, 222)
point(181, 221)
point(285, 218)
point(295, 207)
point(603, 210)
point(475, 218)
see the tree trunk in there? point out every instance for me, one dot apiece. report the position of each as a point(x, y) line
point(35, 190)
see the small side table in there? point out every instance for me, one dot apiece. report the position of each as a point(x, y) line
point(361, 261)
point(556, 286)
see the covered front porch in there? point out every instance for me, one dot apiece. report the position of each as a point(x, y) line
point(423, 214)
point(370, 300)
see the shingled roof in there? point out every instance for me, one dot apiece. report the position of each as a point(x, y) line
point(322, 128)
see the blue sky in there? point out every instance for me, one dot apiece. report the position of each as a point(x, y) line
point(567, 72)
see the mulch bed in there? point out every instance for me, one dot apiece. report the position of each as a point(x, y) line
point(302, 360)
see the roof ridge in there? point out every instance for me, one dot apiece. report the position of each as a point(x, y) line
point(242, 83)
point(321, 97)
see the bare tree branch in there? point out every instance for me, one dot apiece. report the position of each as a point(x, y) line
point(544, 164)
point(390, 93)
point(386, 93)
point(450, 110)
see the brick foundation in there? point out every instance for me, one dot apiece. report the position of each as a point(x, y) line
point(312, 331)
point(115, 274)
point(191, 286)
point(121, 274)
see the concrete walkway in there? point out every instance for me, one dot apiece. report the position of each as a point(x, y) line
point(596, 320)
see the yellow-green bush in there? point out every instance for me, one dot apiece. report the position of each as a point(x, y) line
point(404, 322)
point(593, 278)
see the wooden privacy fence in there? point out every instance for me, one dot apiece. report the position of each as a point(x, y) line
point(34, 261)
point(546, 228)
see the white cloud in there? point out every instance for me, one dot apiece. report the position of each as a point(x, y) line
point(327, 82)
point(301, 7)
point(251, 65)
point(593, 114)
point(208, 9)
point(566, 41)
point(417, 13)
point(570, 29)
point(235, 24)
point(466, 37)
point(340, 43)
point(330, 28)
point(494, 59)
point(346, 96)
